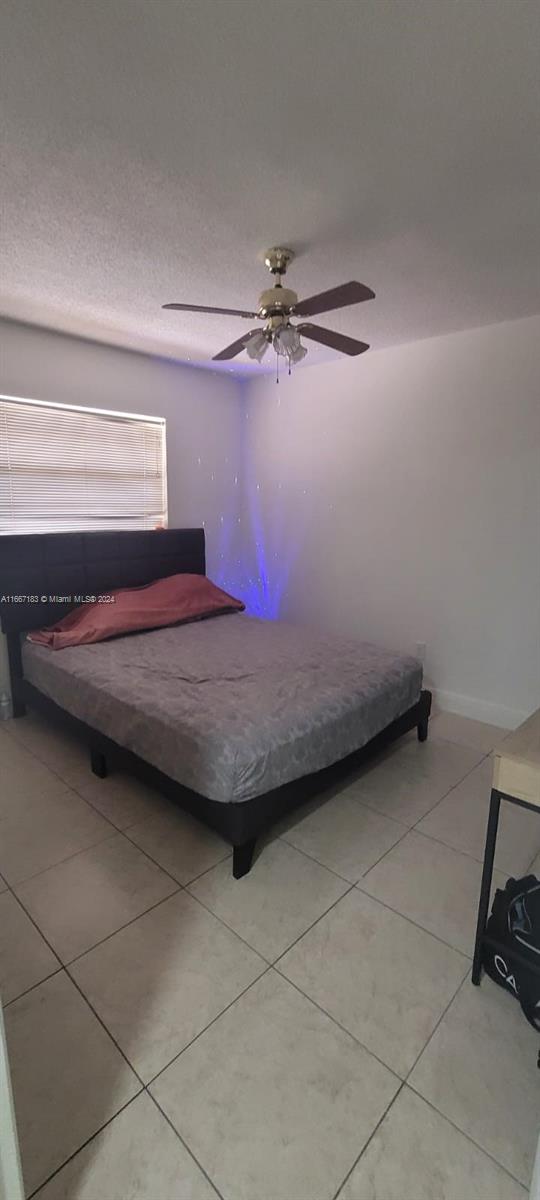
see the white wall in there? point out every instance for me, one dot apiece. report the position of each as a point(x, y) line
point(397, 497)
point(398, 494)
point(203, 412)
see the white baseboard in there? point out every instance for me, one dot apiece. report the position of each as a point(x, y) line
point(479, 710)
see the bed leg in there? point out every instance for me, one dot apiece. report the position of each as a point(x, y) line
point(98, 763)
point(242, 858)
point(425, 709)
point(422, 729)
point(18, 707)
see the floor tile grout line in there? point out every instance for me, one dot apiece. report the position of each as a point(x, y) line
point(153, 860)
point(404, 1086)
point(410, 1085)
point(65, 969)
point(184, 1143)
point(366, 804)
point(311, 857)
point(281, 838)
point(109, 837)
point(382, 813)
point(453, 849)
point(272, 968)
point(32, 988)
point(268, 967)
point(269, 964)
point(97, 1132)
point(347, 892)
point(414, 828)
point(437, 1023)
point(47, 943)
point(20, 882)
point(466, 1135)
point(379, 860)
point(179, 889)
point(54, 771)
point(467, 745)
point(531, 864)
point(404, 917)
point(103, 1026)
point(118, 833)
point(73, 786)
point(363, 891)
point(452, 789)
point(407, 1083)
point(158, 864)
point(448, 846)
point(228, 927)
point(207, 870)
point(108, 936)
point(370, 1138)
point(143, 1086)
point(343, 1028)
point(83, 1146)
point(377, 811)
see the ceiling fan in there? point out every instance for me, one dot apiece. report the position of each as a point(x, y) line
point(277, 305)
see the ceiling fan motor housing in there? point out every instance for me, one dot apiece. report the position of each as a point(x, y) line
point(276, 301)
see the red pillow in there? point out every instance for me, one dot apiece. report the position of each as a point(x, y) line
point(171, 601)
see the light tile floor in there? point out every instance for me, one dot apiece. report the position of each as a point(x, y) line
point(307, 1033)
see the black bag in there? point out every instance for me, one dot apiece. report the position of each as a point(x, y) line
point(515, 924)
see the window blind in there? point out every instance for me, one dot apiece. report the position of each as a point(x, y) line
point(68, 468)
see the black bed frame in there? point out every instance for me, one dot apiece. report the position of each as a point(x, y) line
point(44, 576)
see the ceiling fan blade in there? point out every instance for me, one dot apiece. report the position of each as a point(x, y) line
point(336, 341)
point(338, 297)
point(228, 312)
point(235, 347)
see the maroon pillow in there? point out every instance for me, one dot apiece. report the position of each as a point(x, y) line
point(171, 601)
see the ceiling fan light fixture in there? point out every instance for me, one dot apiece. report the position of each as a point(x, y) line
point(298, 354)
point(257, 347)
point(286, 341)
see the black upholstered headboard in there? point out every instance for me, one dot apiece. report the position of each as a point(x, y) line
point(70, 565)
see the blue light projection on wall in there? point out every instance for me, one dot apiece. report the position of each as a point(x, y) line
point(251, 547)
point(247, 567)
point(275, 540)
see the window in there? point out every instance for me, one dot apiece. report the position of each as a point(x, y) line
point(67, 468)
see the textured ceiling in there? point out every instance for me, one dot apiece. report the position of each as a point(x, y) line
point(154, 148)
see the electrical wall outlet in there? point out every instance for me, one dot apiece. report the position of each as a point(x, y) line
point(421, 651)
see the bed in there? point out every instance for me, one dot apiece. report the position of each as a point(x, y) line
point(236, 719)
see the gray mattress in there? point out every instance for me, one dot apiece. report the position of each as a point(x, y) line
point(233, 706)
